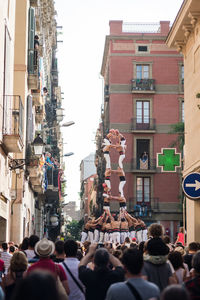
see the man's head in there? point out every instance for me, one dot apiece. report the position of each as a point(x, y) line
point(101, 258)
point(59, 247)
point(155, 230)
point(71, 248)
point(4, 246)
point(44, 248)
point(156, 246)
point(116, 218)
point(132, 260)
point(193, 247)
point(33, 240)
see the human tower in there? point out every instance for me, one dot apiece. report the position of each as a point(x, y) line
point(109, 228)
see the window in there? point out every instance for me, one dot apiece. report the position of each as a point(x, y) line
point(182, 74)
point(143, 189)
point(142, 49)
point(142, 112)
point(142, 71)
point(182, 111)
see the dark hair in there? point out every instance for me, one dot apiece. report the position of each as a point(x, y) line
point(24, 244)
point(4, 246)
point(166, 239)
point(33, 240)
point(12, 249)
point(175, 291)
point(141, 246)
point(79, 254)
point(123, 220)
point(101, 258)
point(108, 221)
point(127, 240)
point(193, 246)
point(36, 37)
point(155, 230)
point(176, 259)
point(132, 259)
point(117, 253)
point(59, 247)
point(70, 248)
point(116, 217)
point(196, 261)
point(38, 285)
point(156, 246)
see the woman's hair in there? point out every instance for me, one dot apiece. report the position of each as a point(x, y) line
point(175, 291)
point(176, 260)
point(18, 262)
point(37, 285)
point(24, 244)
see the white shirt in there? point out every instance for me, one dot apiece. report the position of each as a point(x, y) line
point(75, 292)
point(30, 253)
point(6, 257)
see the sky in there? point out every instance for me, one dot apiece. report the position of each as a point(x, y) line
point(85, 25)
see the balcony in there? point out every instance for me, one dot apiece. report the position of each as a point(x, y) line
point(143, 209)
point(36, 175)
point(146, 125)
point(37, 98)
point(148, 166)
point(143, 86)
point(52, 179)
point(39, 114)
point(13, 123)
point(33, 69)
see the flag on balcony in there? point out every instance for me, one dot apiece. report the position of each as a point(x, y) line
point(144, 164)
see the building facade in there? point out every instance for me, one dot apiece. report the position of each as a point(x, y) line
point(29, 83)
point(143, 97)
point(184, 37)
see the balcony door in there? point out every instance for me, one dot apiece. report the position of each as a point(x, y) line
point(142, 115)
point(142, 71)
point(143, 190)
point(143, 147)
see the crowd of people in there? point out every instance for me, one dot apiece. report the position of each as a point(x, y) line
point(151, 269)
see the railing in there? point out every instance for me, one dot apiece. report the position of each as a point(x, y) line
point(143, 84)
point(33, 62)
point(139, 164)
point(142, 208)
point(13, 115)
point(141, 27)
point(146, 124)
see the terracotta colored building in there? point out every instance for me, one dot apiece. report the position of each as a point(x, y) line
point(143, 98)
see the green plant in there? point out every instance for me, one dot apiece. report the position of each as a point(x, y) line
point(178, 129)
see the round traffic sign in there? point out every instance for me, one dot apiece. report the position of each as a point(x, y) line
point(191, 186)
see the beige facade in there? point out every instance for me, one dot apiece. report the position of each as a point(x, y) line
point(185, 37)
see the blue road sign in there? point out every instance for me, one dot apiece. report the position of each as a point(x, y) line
point(191, 186)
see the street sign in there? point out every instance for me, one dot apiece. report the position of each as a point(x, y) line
point(191, 186)
point(168, 160)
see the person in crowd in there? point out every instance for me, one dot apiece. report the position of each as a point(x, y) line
point(176, 260)
point(102, 231)
point(139, 231)
point(44, 249)
point(156, 269)
point(166, 240)
point(11, 249)
point(135, 287)
point(155, 231)
point(24, 245)
point(123, 230)
point(193, 285)
point(192, 249)
point(180, 237)
point(59, 252)
point(99, 223)
point(30, 253)
point(174, 292)
point(38, 285)
point(18, 266)
point(5, 256)
point(2, 269)
point(182, 252)
point(131, 224)
point(70, 265)
point(108, 230)
point(98, 281)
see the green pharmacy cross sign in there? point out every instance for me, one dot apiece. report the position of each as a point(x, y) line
point(168, 160)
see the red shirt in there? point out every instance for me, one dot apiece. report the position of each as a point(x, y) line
point(48, 264)
point(180, 238)
point(2, 267)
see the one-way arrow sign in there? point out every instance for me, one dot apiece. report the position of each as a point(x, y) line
point(191, 186)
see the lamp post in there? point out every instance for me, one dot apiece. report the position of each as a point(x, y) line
point(38, 146)
point(66, 124)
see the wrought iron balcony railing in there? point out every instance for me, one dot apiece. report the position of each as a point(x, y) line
point(33, 62)
point(146, 124)
point(52, 178)
point(139, 164)
point(143, 208)
point(140, 85)
point(13, 116)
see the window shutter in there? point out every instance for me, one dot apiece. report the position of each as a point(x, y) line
point(31, 34)
point(30, 128)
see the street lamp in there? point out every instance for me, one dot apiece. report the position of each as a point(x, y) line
point(66, 124)
point(68, 154)
point(38, 146)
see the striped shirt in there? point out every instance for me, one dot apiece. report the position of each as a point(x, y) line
point(6, 257)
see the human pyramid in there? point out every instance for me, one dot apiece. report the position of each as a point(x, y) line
point(109, 228)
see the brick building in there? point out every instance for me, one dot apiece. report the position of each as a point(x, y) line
point(143, 97)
